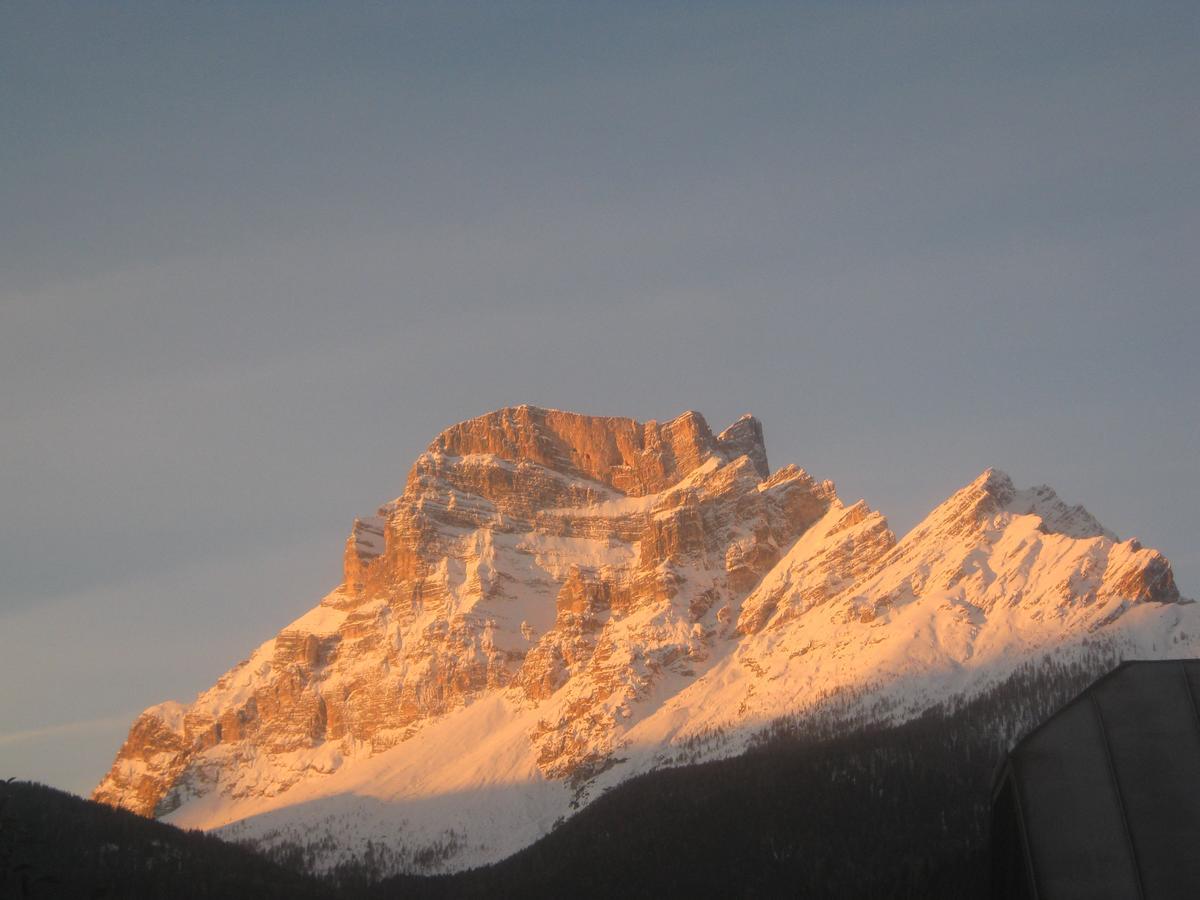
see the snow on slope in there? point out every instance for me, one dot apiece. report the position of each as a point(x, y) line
point(559, 602)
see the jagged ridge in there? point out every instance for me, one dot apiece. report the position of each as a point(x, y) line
point(559, 601)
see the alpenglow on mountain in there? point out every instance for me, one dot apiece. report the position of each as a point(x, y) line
point(558, 602)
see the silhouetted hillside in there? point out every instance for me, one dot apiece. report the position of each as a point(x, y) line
point(54, 844)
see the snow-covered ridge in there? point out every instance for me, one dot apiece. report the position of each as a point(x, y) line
point(1041, 501)
point(558, 602)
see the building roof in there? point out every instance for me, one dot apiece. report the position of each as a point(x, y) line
point(1106, 793)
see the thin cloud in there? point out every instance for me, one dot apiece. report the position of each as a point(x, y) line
point(82, 727)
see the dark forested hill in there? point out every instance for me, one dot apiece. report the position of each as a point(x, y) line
point(54, 844)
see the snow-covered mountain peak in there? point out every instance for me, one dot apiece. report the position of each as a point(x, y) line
point(1057, 517)
point(994, 481)
point(991, 499)
point(559, 601)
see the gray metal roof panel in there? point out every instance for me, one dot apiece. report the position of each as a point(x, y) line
point(1110, 787)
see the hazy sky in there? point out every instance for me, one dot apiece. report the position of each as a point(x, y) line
point(255, 256)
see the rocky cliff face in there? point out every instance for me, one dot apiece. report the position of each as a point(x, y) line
point(525, 544)
point(558, 601)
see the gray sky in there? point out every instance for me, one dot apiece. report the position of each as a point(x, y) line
point(255, 256)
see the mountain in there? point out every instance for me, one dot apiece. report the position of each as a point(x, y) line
point(558, 602)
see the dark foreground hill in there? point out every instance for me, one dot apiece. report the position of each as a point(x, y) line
point(54, 844)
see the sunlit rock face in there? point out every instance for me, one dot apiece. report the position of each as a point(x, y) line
point(525, 545)
point(559, 601)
